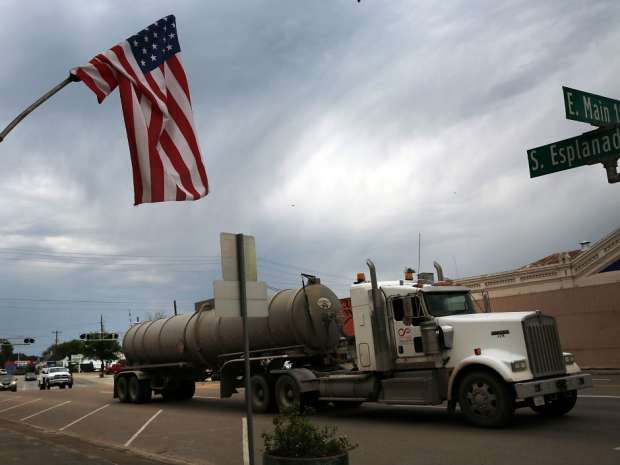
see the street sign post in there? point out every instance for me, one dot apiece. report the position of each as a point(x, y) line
point(589, 148)
point(590, 108)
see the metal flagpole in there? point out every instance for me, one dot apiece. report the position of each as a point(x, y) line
point(32, 107)
point(243, 303)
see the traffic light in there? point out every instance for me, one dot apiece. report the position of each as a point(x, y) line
point(28, 340)
point(99, 336)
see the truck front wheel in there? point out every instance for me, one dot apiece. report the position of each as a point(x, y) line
point(485, 399)
point(556, 407)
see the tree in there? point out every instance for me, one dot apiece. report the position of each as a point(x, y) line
point(64, 349)
point(6, 351)
point(100, 350)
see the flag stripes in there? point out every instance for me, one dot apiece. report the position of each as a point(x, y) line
point(165, 155)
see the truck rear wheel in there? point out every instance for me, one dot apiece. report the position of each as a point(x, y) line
point(562, 404)
point(262, 394)
point(485, 399)
point(288, 394)
point(136, 391)
point(122, 389)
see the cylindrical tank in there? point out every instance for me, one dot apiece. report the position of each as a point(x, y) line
point(304, 316)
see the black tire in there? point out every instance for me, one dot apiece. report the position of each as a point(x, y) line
point(41, 387)
point(263, 400)
point(62, 386)
point(288, 394)
point(561, 405)
point(122, 389)
point(136, 392)
point(70, 385)
point(47, 386)
point(485, 399)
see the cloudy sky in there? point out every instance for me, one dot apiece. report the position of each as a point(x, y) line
point(332, 131)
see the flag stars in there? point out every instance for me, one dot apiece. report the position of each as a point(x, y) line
point(135, 43)
point(143, 51)
point(153, 58)
point(168, 47)
point(146, 38)
point(154, 46)
point(143, 63)
point(155, 34)
point(172, 35)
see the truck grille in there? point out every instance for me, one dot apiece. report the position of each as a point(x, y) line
point(542, 340)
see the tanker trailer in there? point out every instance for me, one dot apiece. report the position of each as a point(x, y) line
point(167, 356)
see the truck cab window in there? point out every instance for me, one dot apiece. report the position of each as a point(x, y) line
point(398, 309)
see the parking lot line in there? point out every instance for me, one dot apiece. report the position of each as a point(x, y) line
point(206, 397)
point(82, 418)
point(19, 405)
point(131, 439)
point(8, 400)
point(599, 397)
point(46, 410)
point(601, 379)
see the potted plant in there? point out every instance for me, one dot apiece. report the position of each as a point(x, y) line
point(296, 441)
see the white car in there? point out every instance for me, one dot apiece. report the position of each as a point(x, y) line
point(3, 371)
point(55, 376)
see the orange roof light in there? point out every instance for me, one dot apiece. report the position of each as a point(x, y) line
point(360, 278)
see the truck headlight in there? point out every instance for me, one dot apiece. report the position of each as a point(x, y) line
point(518, 365)
point(569, 359)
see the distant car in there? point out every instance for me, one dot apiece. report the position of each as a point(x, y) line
point(30, 376)
point(55, 376)
point(115, 367)
point(8, 383)
point(3, 371)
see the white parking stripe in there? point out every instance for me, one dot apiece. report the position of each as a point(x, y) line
point(19, 405)
point(206, 397)
point(46, 410)
point(601, 379)
point(600, 397)
point(8, 400)
point(82, 418)
point(617, 448)
point(246, 445)
point(128, 443)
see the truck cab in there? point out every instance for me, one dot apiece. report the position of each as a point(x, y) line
point(437, 346)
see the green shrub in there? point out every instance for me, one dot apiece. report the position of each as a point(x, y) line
point(295, 436)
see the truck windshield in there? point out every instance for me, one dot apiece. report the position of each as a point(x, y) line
point(449, 303)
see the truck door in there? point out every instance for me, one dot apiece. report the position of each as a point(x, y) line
point(407, 337)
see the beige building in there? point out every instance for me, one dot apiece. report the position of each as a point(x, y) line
point(580, 288)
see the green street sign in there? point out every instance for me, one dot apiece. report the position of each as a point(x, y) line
point(590, 108)
point(586, 149)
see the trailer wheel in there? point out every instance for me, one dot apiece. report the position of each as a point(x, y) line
point(262, 394)
point(562, 404)
point(288, 394)
point(485, 399)
point(136, 391)
point(122, 389)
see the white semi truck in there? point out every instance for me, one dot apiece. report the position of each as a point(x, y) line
point(414, 344)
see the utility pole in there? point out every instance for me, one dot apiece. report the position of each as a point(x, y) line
point(56, 342)
point(101, 333)
point(175, 307)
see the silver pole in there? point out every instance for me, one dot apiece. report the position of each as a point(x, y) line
point(32, 107)
point(246, 345)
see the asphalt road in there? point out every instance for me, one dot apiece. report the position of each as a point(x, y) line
point(207, 430)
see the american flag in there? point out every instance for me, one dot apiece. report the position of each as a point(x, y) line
point(147, 68)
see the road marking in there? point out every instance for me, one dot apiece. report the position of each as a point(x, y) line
point(617, 448)
point(106, 392)
point(206, 397)
point(246, 445)
point(19, 405)
point(82, 418)
point(128, 443)
point(8, 400)
point(600, 397)
point(46, 410)
point(601, 379)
